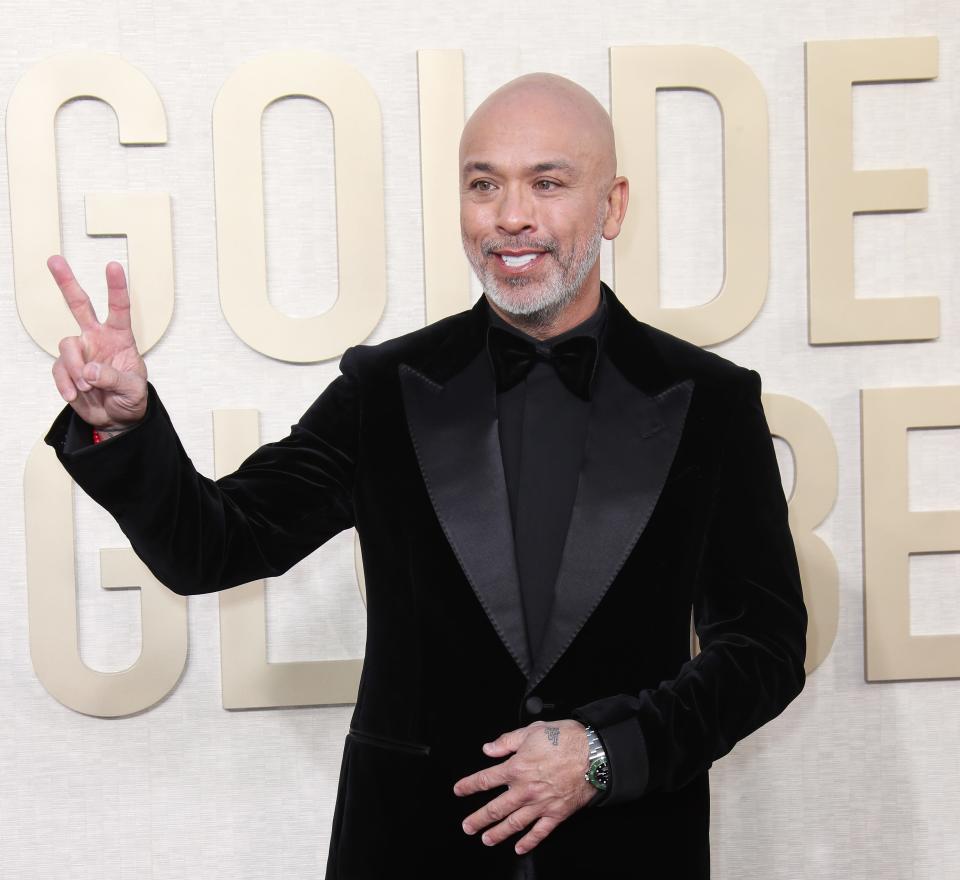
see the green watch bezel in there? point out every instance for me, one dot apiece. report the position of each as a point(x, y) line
point(598, 773)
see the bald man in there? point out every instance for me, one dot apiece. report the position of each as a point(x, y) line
point(545, 490)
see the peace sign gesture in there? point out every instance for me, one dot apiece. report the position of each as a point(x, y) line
point(100, 372)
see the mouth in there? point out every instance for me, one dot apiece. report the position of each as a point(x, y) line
point(520, 260)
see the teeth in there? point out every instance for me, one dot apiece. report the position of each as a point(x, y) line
point(515, 262)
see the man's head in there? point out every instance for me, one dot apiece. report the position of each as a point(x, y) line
point(538, 193)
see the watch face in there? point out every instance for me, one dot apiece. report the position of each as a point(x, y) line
point(598, 775)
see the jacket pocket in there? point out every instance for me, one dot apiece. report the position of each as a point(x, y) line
point(384, 804)
point(383, 742)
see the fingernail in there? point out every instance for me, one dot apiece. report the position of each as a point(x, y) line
point(519, 850)
point(486, 840)
point(467, 829)
point(83, 384)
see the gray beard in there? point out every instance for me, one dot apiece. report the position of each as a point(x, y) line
point(542, 310)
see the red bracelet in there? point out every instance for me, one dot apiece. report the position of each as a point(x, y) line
point(99, 438)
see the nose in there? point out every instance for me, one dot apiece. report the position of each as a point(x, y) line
point(515, 214)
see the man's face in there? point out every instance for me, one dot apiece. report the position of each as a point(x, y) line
point(533, 206)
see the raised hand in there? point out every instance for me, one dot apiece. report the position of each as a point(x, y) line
point(100, 372)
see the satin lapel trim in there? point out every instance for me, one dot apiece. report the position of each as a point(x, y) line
point(456, 437)
point(630, 447)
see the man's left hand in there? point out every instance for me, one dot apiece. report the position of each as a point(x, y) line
point(544, 778)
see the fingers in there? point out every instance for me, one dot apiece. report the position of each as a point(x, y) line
point(118, 298)
point(503, 745)
point(61, 377)
point(536, 835)
point(77, 300)
point(497, 810)
point(513, 824)
point(108, 378)
point(72, 360)
point(484, 780)
point(72, 374)
point(506, 743)
point(510, 814)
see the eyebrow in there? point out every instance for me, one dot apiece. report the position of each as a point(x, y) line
point(556, 165)
point(539, 168)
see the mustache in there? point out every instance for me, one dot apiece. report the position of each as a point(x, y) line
point(519, 243)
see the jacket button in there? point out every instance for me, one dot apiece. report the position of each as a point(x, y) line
point(534, 705)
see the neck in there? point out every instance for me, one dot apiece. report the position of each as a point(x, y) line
point(539, 326)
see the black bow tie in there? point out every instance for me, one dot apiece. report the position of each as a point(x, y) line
point(574, 359)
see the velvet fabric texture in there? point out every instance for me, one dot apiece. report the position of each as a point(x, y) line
point(679, 511)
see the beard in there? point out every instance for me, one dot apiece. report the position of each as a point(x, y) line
point(537, 302)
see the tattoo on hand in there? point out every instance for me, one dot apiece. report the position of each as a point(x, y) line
point(553, 734)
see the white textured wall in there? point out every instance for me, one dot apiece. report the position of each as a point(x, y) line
point(855, 780)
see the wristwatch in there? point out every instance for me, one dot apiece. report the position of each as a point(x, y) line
point(598, 770)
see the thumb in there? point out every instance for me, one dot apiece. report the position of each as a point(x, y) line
point(107, 378)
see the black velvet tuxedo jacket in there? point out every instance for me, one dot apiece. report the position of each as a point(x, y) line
point(679, 511)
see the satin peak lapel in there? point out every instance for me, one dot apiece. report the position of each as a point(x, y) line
point(631, 444)
point(455, 434)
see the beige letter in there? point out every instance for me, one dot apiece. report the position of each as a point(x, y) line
point(238, 166)
point(891, 532)
point(813, 496)
point(636, 74)
point(446, 272)
point(35, 204)
point(835, 192)
point(248, 680)
point(51, 591)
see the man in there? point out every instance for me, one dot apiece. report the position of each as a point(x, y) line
point(545, 489)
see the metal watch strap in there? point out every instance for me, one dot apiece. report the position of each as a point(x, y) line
point(597, 766)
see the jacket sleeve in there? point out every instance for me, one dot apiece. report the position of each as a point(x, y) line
point(750, 620)
point(198, 535)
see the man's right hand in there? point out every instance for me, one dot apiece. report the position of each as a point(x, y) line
point(100, 372)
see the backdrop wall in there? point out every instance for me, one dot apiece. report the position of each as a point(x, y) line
point(857, 779)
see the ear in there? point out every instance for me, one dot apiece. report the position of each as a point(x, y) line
point(617, 197)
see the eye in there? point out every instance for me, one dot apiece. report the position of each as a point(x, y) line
point(482, 186)
point(546, 185)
